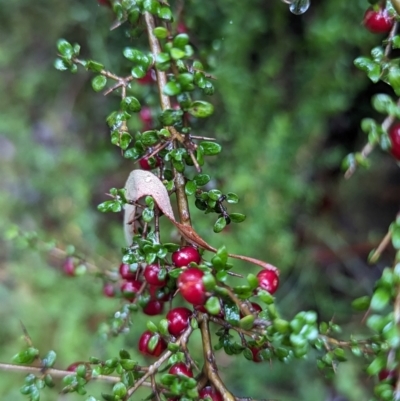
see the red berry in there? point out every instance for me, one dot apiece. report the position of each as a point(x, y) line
point(151, 275)
point(153, 308)
point(125, 272)
point(191, 286)
point(268, 280)
point(394, 135)
point(181, 27)
point(129, 289)
point(158, 294)
point(210, 392)
point(74, 366)
point(186, 255)
point(178, 320)
point(146, 118)
point(255, 351)
point(149, 78)
point(145, 163)
point(144, 344)
point(104, 3)
point(109, 290)
point(69, 267)
point(378, 21)
point(386, 374)
point(180, 369)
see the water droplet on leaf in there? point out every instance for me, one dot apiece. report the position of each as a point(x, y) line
point(299, 6)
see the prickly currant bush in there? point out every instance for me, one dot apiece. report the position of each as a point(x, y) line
point(188, 284)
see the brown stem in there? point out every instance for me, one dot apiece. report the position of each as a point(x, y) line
point(57, 373)
point(381, 247)
point(210, 368)
point(182, 202)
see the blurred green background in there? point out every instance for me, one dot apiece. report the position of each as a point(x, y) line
point(288, 106)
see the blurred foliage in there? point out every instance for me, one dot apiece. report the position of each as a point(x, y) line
point(288, 103)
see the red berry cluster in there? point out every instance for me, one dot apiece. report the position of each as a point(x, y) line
point(394, 135)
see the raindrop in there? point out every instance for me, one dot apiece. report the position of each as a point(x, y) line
point(299, 6)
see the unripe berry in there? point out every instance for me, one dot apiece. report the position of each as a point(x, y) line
point(268, 280)
point(378, 21)
point(178, 320)
point(191, 286)
point(185, 255)
point(144, 343)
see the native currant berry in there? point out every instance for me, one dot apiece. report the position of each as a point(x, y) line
point(178, 320)
point(69, 267)
point(153, 308)
point(145, 163)
point(211, 393)
point(144, 340)
point(129, 289)
point(185, 255)
point(125, 272)
point(109, 290)
point(268, 280)
point(394, 135)
point(151, 275)
point(378, 21)
point(191, 286)
point(180, 369)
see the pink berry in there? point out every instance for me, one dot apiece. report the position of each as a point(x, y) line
point(69, 267)
point(268, 280)
point(125, 272)
point(145, 163)
point(210, 392)
point(109, 290)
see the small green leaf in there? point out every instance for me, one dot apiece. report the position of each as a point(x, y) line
point(160, 32)
point(149, 138)
point(361, 303)
point(99, 82)
point(213, 306)
point(219, 225)
point(380, 299)
point(210, 148)
point(177, 54)
point(27, 356)
point(201, 179)
point(190, 188)
point(133, 54)
point(376, 365)
point(237, 217)
point(94, 66)
point(130, 104)
point(153, 343)
point(165, 13)
point(201, 109)
point(247, 322)
point(171, 89)
point(138, 72)
point(60, 65)
point(232, 198)
point(65, 48)
point(369, 66)
point(49, 359)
